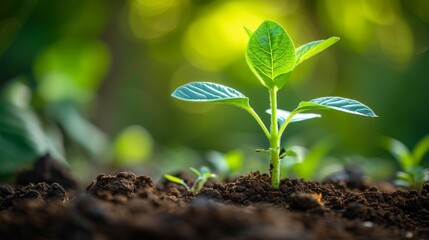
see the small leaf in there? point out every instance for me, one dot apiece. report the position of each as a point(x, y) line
point(248, 31)
point(295, 152)
point(282, 115)
point(310, 49)
point(210, 92)
point(198, 173)
point(420, 150)
point(270, 54)
point(204, 170)
point(404, 176)
point(337, 103)
point(401, 183)
point(174, 179)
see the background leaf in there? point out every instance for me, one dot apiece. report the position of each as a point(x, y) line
point(310, 49)
point(270, 54)
point(22, 139)
point(420, 150)
point(337, 103)
point(210, 92)
point(282, 115)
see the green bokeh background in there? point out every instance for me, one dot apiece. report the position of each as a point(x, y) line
point(117, 63)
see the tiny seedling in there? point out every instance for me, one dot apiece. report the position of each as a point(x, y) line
point(271, 56)
point(412, 175)
point(203, 175)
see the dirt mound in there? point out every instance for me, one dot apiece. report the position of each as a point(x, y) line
point(126, 206)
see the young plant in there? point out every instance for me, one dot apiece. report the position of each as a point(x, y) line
point(271, 56)
point(203, 175)
point(412, 175)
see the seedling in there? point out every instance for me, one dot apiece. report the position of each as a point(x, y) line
point(271, 56)
point(412, 175)
point(203, 175)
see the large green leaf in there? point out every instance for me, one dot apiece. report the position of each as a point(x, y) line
point(336, 103)
point(310, 49)
point(270, 54)
point(210, 92)
point(282, 115)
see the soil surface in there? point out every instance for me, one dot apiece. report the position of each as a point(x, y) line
point(127, 206)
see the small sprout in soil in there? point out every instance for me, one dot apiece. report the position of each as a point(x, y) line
point(203, 174)
point(271, 55)
point(412, 174)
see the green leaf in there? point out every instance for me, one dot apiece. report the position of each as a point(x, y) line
point(228, 163)
point(282, 115)
point(399, 151)
point(270, 54)
point(22, 139)
point(402, 183)
point(210, 92)
point(311, 160)
point(198, 173)
point(336, 103)
point(296, 153)
point(248, 31)
point(420, 150)
point(78, 128)
point(310, 49)
point(174, 179)
point(209, 175)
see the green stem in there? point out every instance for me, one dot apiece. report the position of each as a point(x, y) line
point(274, 141)
point(258, 119)
point(286, 122)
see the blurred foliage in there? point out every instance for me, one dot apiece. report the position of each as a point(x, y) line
point(412, 174)
point(227, 164)
point(100, 67)
point(133, 145)
point(22, 138)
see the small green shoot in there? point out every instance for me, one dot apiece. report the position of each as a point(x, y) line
point(271, 55)
point(203, 174)
point(177, 180)
point(412, 175)
point(412, 178)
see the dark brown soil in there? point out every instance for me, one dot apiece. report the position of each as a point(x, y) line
point(126, 206)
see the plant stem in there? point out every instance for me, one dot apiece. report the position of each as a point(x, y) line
point(274, 141)
point(286, 122)
point(258, 119)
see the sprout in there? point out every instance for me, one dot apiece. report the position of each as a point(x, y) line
point(203, 174)
point(271, 55)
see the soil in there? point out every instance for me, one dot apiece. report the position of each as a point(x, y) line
point(127, 206)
